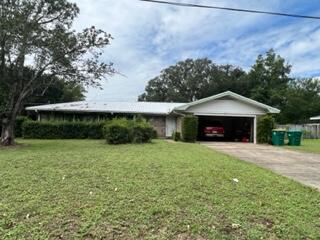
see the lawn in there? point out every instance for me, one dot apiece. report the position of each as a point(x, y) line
point(308, 145)
point(81, 189)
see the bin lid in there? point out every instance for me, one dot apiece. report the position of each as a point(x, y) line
point(278, 130)
point(294, 131)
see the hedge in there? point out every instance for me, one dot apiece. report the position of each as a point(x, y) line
point(62, 130)
point(264, 129)
point(189, 128)
point(121, 130)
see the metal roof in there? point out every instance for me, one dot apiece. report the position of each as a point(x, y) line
point(315, 118)
point(162, 108)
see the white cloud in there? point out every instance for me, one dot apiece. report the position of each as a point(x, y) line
point(149, 37)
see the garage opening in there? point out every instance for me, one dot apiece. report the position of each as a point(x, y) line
point(230, 129)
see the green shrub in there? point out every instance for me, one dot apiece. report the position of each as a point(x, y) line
point(121, 130)
point(117, 131)
point(154, 134)
point(62, 130)
point(95, 130)
point(265, 126)
point(18, 125)
point(189, 128)
point(142, 131)
point(176, 136)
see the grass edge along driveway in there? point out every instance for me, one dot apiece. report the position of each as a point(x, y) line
point(85, 189)
point(307, 145)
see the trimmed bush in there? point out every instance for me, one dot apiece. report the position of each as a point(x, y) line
point(176, 136)
point(121, 130)
point(142, 131)
point(265, 126)
point(62, 130)
point(189, 128)
point(117, 131)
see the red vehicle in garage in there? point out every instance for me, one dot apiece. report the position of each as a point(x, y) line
point(214, 130)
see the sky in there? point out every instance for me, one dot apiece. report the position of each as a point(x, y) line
point(149, 37)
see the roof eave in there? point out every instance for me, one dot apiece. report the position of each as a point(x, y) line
point(96, 111)
point(232, 94)
point(315, 118)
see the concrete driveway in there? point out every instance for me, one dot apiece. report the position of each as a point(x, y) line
point(300, 166)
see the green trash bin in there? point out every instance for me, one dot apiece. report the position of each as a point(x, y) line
point(278, 137)
point(294, 138)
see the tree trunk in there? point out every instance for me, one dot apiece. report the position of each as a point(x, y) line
point(7, 134)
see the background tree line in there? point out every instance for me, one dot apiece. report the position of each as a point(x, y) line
point(268, 81)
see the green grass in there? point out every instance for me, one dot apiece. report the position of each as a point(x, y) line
point(308, 145)
point(81, 189)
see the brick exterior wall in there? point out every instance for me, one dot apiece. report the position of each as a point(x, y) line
point(159, 124)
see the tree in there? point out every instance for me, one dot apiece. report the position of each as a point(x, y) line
point(269, 79)
point(59, 91)
point(302, 101)
point(190, 80)
point(37, 35)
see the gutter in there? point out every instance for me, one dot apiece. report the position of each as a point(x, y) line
point(178, 113)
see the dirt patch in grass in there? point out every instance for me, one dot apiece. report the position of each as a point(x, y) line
point(265, 222)
point(14, 147)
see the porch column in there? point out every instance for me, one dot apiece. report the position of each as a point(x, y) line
point(255, 130)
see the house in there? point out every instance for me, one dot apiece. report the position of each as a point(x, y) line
point(316, 118)
point(235, 112)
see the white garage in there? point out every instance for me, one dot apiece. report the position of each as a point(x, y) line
point(233, 112)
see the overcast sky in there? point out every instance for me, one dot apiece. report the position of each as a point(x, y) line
point(149, 37)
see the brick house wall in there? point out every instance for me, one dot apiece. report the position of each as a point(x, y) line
point(159, 124)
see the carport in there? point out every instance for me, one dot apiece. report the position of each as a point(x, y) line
point(236, 129)
point(237, 114)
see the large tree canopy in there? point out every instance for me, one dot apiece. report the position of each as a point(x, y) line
point(269, 79)
point(190, 80)
point(36, 39)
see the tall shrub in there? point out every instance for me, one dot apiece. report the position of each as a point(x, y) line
point(265, 125)
point(142, 131)
point(189, 128)
point(121, 130)
point(117, 131)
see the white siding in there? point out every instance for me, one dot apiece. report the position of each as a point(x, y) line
point(225, 107)
point(171, 125)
